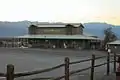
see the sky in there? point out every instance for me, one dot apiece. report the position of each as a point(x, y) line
point(81, 11)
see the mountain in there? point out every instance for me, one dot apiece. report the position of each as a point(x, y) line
point(98, 29)
point(21, 28)
point(14, 28)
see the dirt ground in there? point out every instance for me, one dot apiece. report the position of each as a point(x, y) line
point(37, 59)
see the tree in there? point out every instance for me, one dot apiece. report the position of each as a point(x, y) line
point(109, 36)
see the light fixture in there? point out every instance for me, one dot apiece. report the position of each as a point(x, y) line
point(109, 50)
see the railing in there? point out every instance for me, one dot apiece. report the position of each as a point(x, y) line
point(11, 75)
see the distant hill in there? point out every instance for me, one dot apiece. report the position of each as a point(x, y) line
point(21, 28)
point(13, 28)
point(98, 28)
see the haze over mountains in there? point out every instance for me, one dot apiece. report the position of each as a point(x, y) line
point(21, 28)
point(98, 28)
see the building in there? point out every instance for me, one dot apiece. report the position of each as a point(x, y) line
point(59, 35)
point(56, 29)
point(114, 46)
point(56, 35)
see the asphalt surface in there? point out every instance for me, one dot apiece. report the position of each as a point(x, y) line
point(37, 59)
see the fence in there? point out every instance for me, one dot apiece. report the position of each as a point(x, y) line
point(11, 75)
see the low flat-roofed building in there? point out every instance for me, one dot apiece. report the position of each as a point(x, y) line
point(114, 46)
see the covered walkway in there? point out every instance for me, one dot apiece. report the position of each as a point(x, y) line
point(60, 41)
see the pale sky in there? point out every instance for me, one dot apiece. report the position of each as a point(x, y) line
point(61, 10)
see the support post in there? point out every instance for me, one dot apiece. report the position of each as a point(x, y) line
point(108, 63)
point(66, 68)
point(10, 72)
point(114, 62)
point(92, 67)
point(118, 69)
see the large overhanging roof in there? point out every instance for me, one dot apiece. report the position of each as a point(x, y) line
point(114, 42)
point(58, 37)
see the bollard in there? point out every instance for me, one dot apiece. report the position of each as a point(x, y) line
point(10, 72)
point(118, 69)
point(67, 68)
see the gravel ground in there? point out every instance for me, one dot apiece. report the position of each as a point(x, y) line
point(37, 59)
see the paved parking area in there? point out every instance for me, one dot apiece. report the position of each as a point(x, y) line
point(36, 59)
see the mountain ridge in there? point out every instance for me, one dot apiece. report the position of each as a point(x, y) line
point(20, 28)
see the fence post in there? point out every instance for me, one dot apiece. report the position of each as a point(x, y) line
point(114, 62)
point(10, 72)
point(108, 63)
point(92, 67)
point(67, 68)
